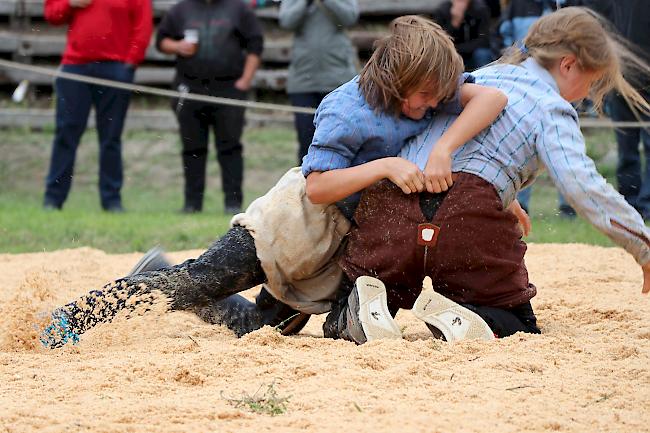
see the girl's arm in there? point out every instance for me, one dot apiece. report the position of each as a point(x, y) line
point(522, 216)
point(481, 105)
point(561, 148)
point(334, 185)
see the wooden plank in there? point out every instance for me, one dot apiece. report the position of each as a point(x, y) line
point(272, 79)
point(34, 8)
point(52, 43)
point(158, 120)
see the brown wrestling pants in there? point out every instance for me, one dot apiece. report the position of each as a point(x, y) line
point(478, 258)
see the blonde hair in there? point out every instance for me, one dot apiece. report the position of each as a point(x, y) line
point(588, 36)
point(416, 52)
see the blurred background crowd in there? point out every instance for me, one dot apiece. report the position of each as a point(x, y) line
point(218, 46)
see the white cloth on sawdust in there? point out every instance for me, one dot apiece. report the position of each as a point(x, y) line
point(298, 244)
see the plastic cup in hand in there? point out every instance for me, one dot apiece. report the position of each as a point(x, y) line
point(191, 36)
point(21, 90)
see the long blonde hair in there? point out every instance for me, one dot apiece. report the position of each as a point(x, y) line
point(416, 52)
point(588, 36)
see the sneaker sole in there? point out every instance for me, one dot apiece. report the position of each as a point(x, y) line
point(155, 253)
point(453, 320)
point(374, 316)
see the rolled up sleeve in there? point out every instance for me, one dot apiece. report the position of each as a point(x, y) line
point(337, 138)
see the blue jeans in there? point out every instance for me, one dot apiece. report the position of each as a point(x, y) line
point(305, 122)
point(632, 183)
point(479, 58)
point(73, 102)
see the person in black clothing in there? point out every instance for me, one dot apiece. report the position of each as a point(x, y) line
point(468, 22)
point(218, 44)
point(631, 18)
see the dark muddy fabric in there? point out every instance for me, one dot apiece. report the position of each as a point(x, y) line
point(336, 322)
point(229, 266)
point(243, 316)
point(506, 322)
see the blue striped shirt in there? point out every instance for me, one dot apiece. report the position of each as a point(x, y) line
point(538, 130)
point(350, 133)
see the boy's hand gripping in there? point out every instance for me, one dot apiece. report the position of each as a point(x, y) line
point(404, 174)
point(437, 173)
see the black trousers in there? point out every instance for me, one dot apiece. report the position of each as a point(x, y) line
point(195, 120)
point(506, 322)
point(304, 123)
point(229, 266)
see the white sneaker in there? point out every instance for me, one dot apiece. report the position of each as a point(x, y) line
point(454, 321)
point(369, 295)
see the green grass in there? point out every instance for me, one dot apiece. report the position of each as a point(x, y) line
point(152, 194)
point(266, 403)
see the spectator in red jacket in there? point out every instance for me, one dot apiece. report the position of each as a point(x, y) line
point(106, 39)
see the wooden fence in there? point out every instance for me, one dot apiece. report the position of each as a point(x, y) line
point(26, 37)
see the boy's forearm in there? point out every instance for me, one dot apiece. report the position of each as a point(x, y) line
point(479, 113)
point(325, 187)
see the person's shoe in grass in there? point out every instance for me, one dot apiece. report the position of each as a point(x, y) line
point(566, 211)
point(189, 209)
point(50, 206)
point(114, 208)
point(232, 209)
point(368, 317)
point(58, 332)
point(152, 260)
point(446, 317)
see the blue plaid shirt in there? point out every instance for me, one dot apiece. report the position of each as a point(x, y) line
point(538, 130)
point(350, 133)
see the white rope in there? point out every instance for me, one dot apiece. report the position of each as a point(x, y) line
point(584, 122)
point(154, 90)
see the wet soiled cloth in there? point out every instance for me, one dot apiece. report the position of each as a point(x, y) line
point(298, 244)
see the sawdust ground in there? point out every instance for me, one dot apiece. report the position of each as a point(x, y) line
point(170, 372)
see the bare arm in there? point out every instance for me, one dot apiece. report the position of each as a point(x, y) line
point(250, 67)
point(481, 105)
point(181, 48)
point(334, 185)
